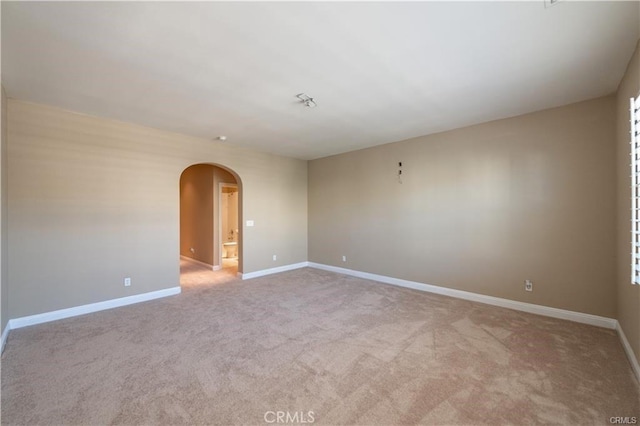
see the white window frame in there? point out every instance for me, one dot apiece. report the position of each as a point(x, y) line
point(635, 189)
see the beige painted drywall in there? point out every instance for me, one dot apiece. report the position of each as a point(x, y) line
point(4, 279)
point(481, 208)
point(628, 295)
point(196, 213)
point(92, 201)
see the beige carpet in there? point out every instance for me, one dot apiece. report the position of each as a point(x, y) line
point(193, 274)
point(348, 350)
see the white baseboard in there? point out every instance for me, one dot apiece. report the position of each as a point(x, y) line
point(5, 334)
point(270, 271)
point(199, 263)
point(460, 294)
point(92, 307)
point(481, 298)
point(217, 267)
point(629, 350)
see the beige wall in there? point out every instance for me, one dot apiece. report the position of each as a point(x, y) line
point(481, 208)
point(92, 201)
point(4, 283)
point(196, 213)
point(628, 295)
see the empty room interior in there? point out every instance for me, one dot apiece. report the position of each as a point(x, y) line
point(367, 213)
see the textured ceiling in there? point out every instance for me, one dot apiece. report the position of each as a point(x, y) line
point(380, 72)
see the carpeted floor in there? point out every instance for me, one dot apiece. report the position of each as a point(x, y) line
point(196, 275)
point(317, 346)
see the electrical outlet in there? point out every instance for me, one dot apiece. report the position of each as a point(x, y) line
point(275, 257)
point(127, 282)
point(192, 250)
point(528, 285)
point(344, 258)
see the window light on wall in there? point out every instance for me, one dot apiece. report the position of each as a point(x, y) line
point(635, 190)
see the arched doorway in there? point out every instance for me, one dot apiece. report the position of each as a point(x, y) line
point(210, 224)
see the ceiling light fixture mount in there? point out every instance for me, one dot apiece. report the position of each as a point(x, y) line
point(307, 100)
point(222, 138)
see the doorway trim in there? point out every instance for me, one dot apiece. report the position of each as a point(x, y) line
point(216, 239)
point(218, 236)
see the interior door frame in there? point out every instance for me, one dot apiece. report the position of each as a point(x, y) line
point(218, 236)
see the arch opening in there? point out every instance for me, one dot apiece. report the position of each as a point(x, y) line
point(211, 237)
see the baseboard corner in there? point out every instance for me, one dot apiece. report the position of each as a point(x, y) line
point(633, 360)
point(277, 269)
point(5, 336)
point(188, 259)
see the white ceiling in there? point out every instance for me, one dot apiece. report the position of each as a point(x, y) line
point(380, 72)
